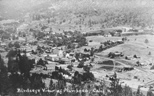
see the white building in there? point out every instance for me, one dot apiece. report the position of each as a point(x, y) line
point(61, 53)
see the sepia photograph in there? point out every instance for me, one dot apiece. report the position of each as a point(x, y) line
point(76, 47)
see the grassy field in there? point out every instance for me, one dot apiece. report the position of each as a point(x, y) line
point(135, 45)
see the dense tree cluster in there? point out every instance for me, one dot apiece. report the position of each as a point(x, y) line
point(4, 35)
point(69, 39)
point(4, 80)
point(104, 17)
point(14, 44)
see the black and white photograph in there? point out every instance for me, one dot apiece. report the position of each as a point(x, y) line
point(76, 47)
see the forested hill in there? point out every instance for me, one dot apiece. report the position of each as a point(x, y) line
point(108, 13)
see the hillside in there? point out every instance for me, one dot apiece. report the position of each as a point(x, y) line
point(88, 13)
point(135, 46)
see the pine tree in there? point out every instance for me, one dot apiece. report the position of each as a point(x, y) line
point(139, 93)
point(127, 91)
point(115, 87)
point(149, 93)
point(4, 81)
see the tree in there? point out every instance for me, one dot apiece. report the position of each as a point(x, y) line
point(115, 86)
point(152, 67)
point(11, 53)
point(4, 81)
point(12, 65)
point(40, 35)
point(149, 53)
point(149, 93)
point(6, 36)
point(146, 41)
point(100, 48)
point(112, 33)
point(92, 51)
point(2, 32)
point(10, 45)
point(127, 91)
point(24, 65)
point(17, 45)
point(139, 93)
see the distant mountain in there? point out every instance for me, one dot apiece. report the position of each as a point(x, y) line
point(18, 8)
point(104, 12)
point(15, 9)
